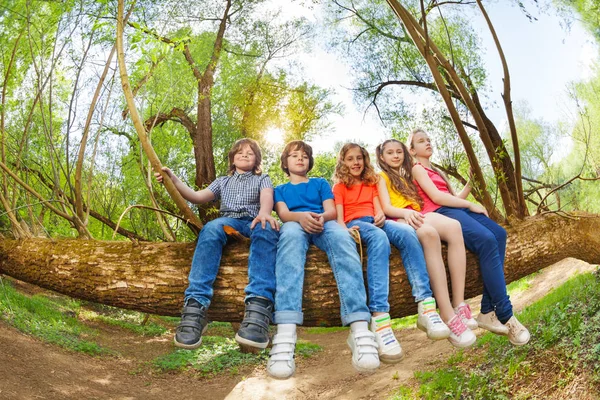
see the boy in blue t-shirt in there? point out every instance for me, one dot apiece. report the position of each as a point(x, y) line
point(306, 207)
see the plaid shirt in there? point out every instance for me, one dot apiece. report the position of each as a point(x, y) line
point(240, 193)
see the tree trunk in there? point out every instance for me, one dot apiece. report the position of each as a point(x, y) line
point(151, 277)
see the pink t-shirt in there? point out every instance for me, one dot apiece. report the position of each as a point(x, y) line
point(440, 184)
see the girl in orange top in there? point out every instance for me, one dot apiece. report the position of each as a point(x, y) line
point(400, 200)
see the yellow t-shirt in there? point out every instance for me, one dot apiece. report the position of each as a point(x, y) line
point(397, 199)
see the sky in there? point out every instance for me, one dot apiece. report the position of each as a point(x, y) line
point(543, 57)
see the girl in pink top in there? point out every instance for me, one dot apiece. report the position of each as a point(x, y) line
point(482, 236)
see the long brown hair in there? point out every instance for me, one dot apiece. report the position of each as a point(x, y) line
point(237, 146)
point(342, 173)
point(401, 179)
point(410, 139)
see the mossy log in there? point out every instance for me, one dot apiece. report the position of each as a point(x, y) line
point(151, 277)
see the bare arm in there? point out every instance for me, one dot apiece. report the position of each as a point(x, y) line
point(465, 192)
point(196, 197)
point(329, 212)
point(339, 208)
point(308, 220)
point(379, 214)
point(264, 214)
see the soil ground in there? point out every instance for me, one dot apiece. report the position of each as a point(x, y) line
point(31, 369)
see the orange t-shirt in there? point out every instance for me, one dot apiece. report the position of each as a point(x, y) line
point(356, 199)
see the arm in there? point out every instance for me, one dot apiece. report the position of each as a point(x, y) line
point(308, 220)
point(339, 208)
point(196, 197)
point(412, 217)
point(264, 214)
point(441, 198)
point(465, 192)
point(379, 214)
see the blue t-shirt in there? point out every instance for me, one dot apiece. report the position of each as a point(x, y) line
point(305, 196)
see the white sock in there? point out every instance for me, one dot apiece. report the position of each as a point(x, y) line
point(358, 326)
point(286, 328)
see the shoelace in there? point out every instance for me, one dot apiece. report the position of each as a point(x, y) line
point(431, 313)
point(457, 326)
point(465, 311)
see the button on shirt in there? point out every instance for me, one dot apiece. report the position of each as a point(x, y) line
point(240, 193)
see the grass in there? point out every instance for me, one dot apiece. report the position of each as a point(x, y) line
point(52, 320)
point(220, 354)
point(565, 330)
point(136, 322)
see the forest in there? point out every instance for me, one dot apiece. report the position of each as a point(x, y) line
point(98, 95)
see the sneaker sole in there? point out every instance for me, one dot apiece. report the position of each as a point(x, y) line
point(463, 345)
point(248, 346)
point(391, 359)
point(282, 377)
point(520, 343)
point(434, 335)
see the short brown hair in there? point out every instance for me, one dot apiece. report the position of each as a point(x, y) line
point(295, 145)
point(237, 146)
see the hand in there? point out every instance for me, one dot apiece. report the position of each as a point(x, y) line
point(167, 171)
point(263, 219)
point(476, 208)
point(379, 219)
point(311, 222)
point(414, 218)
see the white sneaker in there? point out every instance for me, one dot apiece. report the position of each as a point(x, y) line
point(464, 310)
point(281, 364)
point(389, 348)
point(364, 350)
point(461, 336)
point(491, 323)
point(517, 333)
point(430, 322)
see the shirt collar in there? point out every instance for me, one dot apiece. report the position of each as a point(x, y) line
point(245, 174)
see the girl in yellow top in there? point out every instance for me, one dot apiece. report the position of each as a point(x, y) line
point(400, 200)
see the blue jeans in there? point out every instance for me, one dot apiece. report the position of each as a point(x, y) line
point(378, 263)
point(343, 259)
point(207, 257)
point(487, 240)
point(404, 238)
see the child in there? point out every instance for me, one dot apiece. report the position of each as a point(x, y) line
point(358, 205)
point(246, 204)
point(482, 236)
point(358, 208)
point(399, 199)
point(306, 207)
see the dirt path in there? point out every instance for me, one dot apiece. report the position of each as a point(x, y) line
point(30, 369)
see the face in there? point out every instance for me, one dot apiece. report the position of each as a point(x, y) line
point(421, 145)
point(298, 162)
point(393, 155)
point(244, 160)
point(355, 162)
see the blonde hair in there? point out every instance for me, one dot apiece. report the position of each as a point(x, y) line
point(401, 180)
point(342, 172)
point(239, 145)
point(294, 146)
point(410, 144)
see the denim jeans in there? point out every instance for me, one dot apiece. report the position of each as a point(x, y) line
point(378, 263)
point(487, 240)
point(207, 257)
point(404, 238)
point(343, 259)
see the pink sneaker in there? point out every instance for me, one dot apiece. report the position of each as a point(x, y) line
point(464, 310)
point(460, 335)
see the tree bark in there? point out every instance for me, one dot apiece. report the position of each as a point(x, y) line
point(151, 277)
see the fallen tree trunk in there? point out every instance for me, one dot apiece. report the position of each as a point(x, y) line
point(151, 277)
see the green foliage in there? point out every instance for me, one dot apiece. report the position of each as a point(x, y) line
point(52, 320)
point(307, 349)
point(130, 320)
